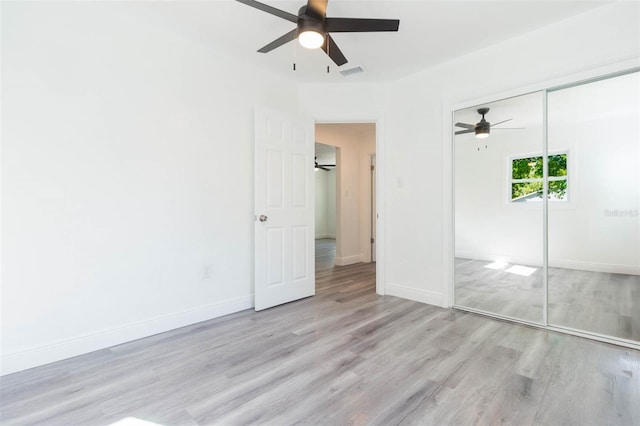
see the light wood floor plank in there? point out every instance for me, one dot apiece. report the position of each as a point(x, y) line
point(344, 357)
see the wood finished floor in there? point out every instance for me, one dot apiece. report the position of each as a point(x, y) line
point(598, 302)
point(345, 356)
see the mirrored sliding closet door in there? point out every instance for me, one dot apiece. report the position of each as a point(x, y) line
point(593, 212)
point(498, 181)
point(547, 208)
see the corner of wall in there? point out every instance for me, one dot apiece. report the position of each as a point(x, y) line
point(417, 295)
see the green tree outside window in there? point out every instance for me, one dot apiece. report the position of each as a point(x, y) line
point(527, 178)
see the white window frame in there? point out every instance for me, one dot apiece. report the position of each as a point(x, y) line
point(511, 181)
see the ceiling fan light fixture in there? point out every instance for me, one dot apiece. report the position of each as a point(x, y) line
point(314, 28)
point(482, 129)
point(311, 39)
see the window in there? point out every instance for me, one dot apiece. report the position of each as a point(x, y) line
point(527, 178)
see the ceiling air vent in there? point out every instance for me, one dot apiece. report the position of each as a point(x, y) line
point(352, 71)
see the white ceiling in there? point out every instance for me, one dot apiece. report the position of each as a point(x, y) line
point(431, 32)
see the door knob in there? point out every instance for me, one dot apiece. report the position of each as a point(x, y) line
point(263, 218)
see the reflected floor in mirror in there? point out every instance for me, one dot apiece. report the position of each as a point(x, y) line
point(597, 302)
point(500, 288)
point(344, 357)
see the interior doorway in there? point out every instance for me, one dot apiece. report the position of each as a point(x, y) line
point(325, 172)
point(345, 194)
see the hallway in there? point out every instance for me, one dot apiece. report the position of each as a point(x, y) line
point(341, 283)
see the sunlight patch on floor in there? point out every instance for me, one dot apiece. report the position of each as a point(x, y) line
point(498, 264)
point(521, 270)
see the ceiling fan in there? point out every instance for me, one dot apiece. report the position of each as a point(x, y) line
point(313, 27)
point(483, 127)
point(324, 167)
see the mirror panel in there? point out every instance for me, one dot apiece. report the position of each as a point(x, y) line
point(499, 210)
point(594, 231)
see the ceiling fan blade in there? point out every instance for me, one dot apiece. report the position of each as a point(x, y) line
point(500, 122)
point(291, 35)
point(331, 48)
point(462, 132)
point(269, 9)
point(324, 168)
point(356, 25)
point(317, 8)
point(465, 125)
point(508, 128)
point(327, 165)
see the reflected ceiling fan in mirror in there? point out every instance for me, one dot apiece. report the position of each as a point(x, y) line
point(313, 27)
point(483, 127)
point(324, 167)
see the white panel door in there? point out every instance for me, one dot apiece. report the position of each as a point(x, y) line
point(284, 223)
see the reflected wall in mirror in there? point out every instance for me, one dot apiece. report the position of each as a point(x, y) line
point(498, 210)
point(594, 236)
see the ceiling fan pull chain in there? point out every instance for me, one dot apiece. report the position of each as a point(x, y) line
point(294, 56)
point(326, 40)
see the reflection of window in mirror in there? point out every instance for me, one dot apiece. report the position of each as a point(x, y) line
point(527, 182)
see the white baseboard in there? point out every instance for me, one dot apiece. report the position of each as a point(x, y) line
point(348, 260)
point(325, 236)
point(424, 296)
point(56, 351)
point(596, 267)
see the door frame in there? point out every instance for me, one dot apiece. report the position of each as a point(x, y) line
point(378, 121)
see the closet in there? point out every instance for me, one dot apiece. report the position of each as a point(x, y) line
point(546, 208)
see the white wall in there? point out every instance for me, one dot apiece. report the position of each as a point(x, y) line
point(325, 203)
point(417, 168)
point(356, 142)
point(127, 180)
